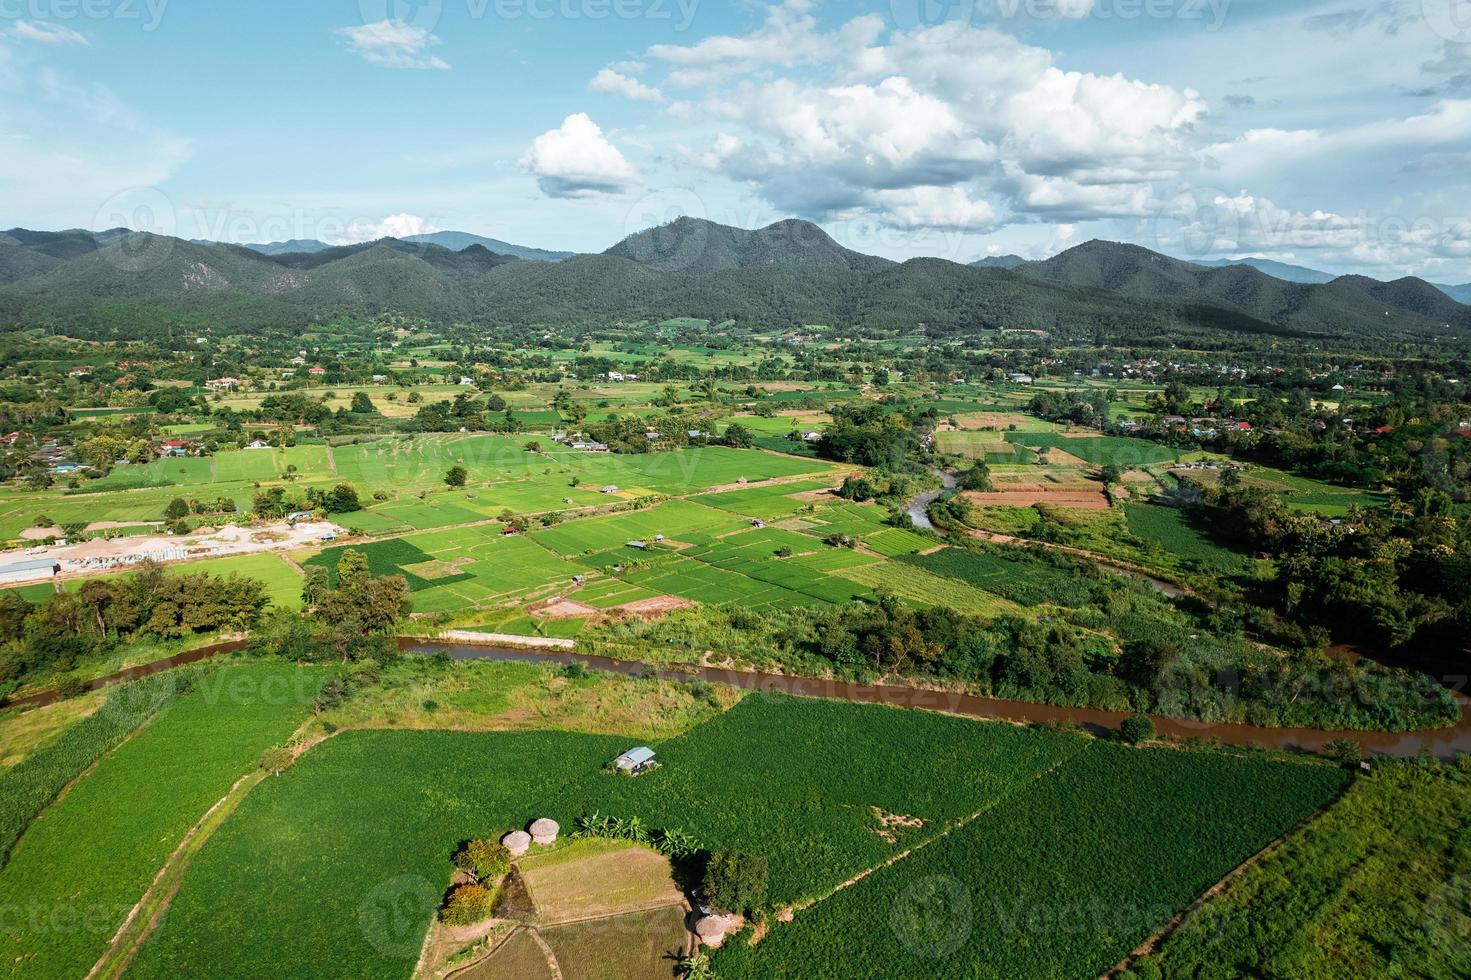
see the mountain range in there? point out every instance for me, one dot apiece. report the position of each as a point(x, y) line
point(455, 241)
point(786, 274)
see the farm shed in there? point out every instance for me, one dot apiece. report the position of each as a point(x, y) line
point(635, 761)
point(518, 842)
point(545, 831)
point(29, 571)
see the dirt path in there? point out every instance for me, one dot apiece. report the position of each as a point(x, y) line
point(552, 963)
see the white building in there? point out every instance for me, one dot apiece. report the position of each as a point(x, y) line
point(35, 570)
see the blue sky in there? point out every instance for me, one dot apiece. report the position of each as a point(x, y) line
point(1332, 134)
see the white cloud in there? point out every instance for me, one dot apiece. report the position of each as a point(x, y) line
point(610, 82)
point(393, 226)
point(949, 208)
point(44, 33)
point(393, 44)
point(576, 160)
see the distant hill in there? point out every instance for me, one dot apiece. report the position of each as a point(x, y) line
point(303, 246)
point(999, 262)
point(698, 247)
point(458, 241)
point(787, 274)
point(1461, 293)
point(1355, 304)
point(1277, 270)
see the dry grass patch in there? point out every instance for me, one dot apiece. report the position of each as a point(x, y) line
point(590, 879)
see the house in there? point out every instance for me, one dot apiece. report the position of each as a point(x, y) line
point(635, 761)
point(298, 361)
point(812, 437)
point(317, 372)
point(10, 439)
point(697, 434)
point(467, 382)
point(80, 372)
point(378, 379)
point(301, 515)
point(1019, 379)
point(592, 447)
point(258, 444)
point(610, 489)
point(223, 384)
point(174, 448)
point(639, 545)
point(62, 469)
point(35, 570)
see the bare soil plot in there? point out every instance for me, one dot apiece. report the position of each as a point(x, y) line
point(641, 946)
point(572, 884)
point(1018, 495)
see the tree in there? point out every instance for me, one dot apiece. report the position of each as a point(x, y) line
point(977, 478)
point(487, 860)
point(736, 881)
point(362, 404)
point(737, 436)
point(277, 759)
point(314, 585)
point(467, 905)
point(342, 499)
point(1111, 474)
point(456, 477)
point(177, 510)
point(352, 570)
point(1136, 729)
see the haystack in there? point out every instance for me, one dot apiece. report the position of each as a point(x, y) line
point(545, 831)
point(518, 842)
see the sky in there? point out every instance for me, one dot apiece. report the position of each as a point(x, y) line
point(1329, 133)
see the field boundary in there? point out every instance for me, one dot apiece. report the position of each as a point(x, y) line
point(1154, 942)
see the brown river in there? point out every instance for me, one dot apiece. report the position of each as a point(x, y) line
point(1442, 743)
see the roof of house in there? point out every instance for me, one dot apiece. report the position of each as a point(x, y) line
point(36, 565)
point(636, 756)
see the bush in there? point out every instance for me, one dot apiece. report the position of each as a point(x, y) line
point(70, 688)
point(487, 860)
point(277, 759)
point(736, 881)
point(467, 905)
point(1137, 729)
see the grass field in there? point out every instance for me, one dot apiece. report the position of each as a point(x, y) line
point(92, 855)
point(1374, 887)
point(1168, 528)
point(1025, 580)
point(1062, 877)
point(299, 880)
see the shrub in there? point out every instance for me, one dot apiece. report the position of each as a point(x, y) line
point(277, 759)
point(1137, 729)
point(467, 905)
point(70, 688)
point(736, 881)
point(485, 859)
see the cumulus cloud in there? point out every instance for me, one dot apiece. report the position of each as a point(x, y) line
point(610, 82)
point(393, 226)
point(44, 33)
point(576, 160)
point(394, 44)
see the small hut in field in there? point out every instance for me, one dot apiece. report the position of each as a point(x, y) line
point(518, 842)
point(544, 832)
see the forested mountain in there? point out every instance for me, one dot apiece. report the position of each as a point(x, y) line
point(789, 274)
point(999, 262)
point(1277, 270)
point(1348, 304)
point(696, 246)
point(296, 245)
point(458, 241)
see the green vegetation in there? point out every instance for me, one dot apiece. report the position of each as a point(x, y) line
point(1374, 887)
point(1062, 876)
point(96, 851)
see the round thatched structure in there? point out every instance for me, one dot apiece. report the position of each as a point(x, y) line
point(518, 842)
point(545, 831)
point(712, 929)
